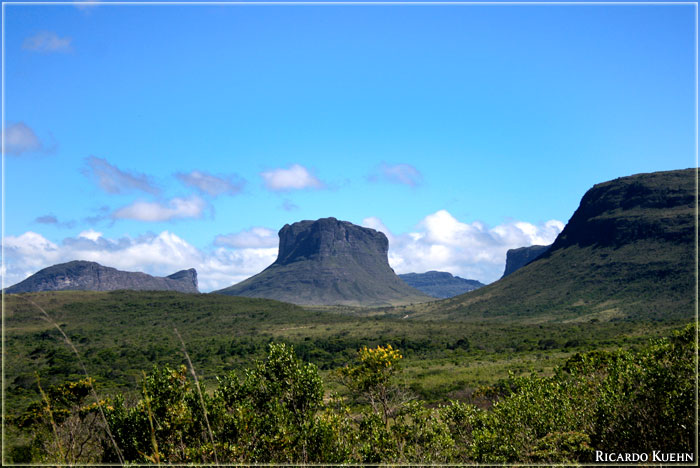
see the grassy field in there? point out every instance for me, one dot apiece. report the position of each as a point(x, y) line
point(121, 334)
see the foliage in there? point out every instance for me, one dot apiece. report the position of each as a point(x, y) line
point(120, 334)
point(270, 413)
point(65, 424)
point(275, 412)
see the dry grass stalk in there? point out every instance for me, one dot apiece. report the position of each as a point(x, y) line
point(199, 391)
point(48, 318)
point(53, 422)
point(156, 454)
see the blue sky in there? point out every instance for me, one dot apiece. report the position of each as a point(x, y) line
point(155, 138)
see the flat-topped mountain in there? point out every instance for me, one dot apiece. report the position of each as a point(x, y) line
point(627, 252)
point(326, 262)
point(440, 284)
point(518, 258)
point(81, 275)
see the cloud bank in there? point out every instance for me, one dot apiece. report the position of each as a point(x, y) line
point(156, 254)
point(470, 250)
point(439, 242)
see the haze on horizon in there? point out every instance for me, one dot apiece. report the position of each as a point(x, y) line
point(159, 138)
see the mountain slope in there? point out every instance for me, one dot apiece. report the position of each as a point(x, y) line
point(627, 252)
point(328, 262)
point(440, 284)
point(90, 276)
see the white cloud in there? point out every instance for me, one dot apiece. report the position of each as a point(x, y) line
point(297, 177)
point(398, 173)
point(158, 255)
point(47, 42)
point(255, 237)
point(19, 138)
point(470, 250)
point(212, 185)
point(113, 180)
point(176, 208)
point(90, 234)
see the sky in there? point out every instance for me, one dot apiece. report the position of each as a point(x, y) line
point(157, 138)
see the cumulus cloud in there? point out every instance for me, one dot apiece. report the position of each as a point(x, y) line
point(156, 254)
point(404, 174)
point(19, 138)
point(47, 42)
point(176, 208)
point(212, 185)
point(296, 177)
point(113, 180)
point(256, 237)
point(470, 250)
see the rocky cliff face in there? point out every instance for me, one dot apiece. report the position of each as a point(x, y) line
point(518, 258)
point(90, 276)
point(630, 209)
point(440, 284)
point(327, 262)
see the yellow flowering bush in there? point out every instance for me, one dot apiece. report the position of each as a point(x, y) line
point(373, 378)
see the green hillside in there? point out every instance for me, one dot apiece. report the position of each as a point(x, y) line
point(628, 252)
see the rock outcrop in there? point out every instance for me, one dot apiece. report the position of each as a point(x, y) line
point(518, 258)
point(440, 284)
point(81, 275)
point(326, 262)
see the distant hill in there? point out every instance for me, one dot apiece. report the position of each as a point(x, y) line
point(518, 258)
point(328, 262)
point(440, 284)
point(627, 252)
point(81, 275)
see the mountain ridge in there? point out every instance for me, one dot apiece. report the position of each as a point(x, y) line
point(82, 275)
point(440, 284)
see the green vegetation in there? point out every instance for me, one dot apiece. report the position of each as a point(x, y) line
point(121, 334)
point(275, 411)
